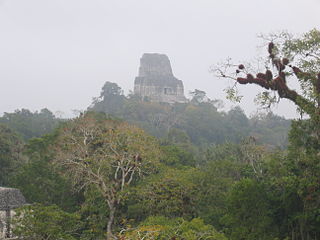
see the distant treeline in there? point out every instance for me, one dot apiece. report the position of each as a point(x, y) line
point(197, 121)
point(30, 124)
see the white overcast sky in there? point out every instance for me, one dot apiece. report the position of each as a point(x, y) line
point(58, 53)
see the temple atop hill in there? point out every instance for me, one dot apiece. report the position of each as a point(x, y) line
point(156, 82)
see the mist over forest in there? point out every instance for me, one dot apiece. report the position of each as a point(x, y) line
point(155, 165)
point(196, 144)
point(192, 120)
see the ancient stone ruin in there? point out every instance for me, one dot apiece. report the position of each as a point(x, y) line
point(156, 82)
point(10, 198)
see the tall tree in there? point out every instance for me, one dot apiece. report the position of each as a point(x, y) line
point(30, 124)
point(38, 222)
point(110, 101)
point(11, 157)
point(292, 58)
point(49, 186)
point(107, 155)
point(288, 58)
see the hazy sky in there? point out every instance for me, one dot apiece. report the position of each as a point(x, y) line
point(58, 53)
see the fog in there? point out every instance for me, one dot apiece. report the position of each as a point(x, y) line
point(58, 53)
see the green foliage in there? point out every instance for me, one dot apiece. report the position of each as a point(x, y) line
point(110, 89)
point(304, 160)
point(107, 155)
point(204, 124)
point(208, 172)
point(175, 156)
point(94, 213)
point(233, 94)
point(304, 50)
point(41, 183)
point(171, 193)
point(270, 129)
point(289, 58)
point(198, 96)
point(29, 124)
point(249, 211)
point(223, 167)
point(198, 122)
point(176, 228)
point(39, 222)
point(289, 182)
point(106, 148)
point(110, 101)
point(239, 124)
point(304, 136)
point(11, 147)
point(178, 137)
point(39, 180)
point(302, 173)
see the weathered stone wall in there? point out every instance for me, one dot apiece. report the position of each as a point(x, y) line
point(156, 81)
point(154, 64)
point(2, 224)
point(10, 198)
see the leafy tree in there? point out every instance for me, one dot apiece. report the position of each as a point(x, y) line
point(292, 58)
point(198, 96)
point(39, 180)
point(174, 228)
point(39, 222)
point(171, 193)
point(176, 156)
point(107, 155)
point(110, 101)
point(249, 211)
point(111, 89)
point(224, 166)
point(11, 147)
point(238, 124)
point(178, 136)
point(29, 124)
point(289, 58)
point(237, 117)
point(94, 213)
point(203, 123)
point(270, 129)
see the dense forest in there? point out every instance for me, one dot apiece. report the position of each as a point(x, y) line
point(133, 169)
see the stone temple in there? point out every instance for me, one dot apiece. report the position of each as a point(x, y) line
point(156, 82)
point(10, 198)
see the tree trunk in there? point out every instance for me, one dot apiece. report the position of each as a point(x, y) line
point(301, 230)
point(110, 222)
